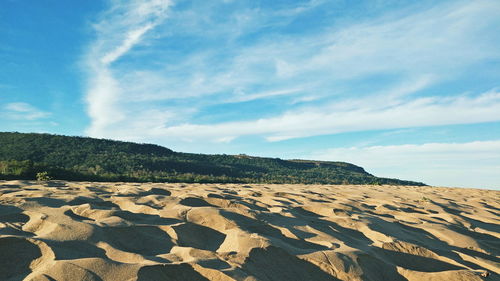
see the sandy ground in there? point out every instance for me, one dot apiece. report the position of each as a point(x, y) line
point(131, 231)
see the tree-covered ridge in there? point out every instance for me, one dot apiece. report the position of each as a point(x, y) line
point(81, 158)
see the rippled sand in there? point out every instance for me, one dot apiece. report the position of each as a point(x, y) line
point(131, 231)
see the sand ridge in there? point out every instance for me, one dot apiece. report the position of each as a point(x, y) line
point(161, 231)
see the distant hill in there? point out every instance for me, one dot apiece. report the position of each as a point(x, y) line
point(81, 158)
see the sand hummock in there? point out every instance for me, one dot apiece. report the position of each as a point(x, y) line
point(157, 231)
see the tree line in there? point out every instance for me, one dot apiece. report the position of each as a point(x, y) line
point(22, 156)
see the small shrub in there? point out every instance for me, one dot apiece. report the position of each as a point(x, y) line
point(42, 176)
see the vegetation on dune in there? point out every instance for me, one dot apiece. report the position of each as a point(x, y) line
point(22, 156)
point(42, 176)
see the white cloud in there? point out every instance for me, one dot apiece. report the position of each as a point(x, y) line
point(319, 70)
point(300, 8)
point(472, 164)
point(131, 39)
point(372, 114)
point(23, 111)
point(242, 96)
point(121, 28)
point(443, 38)
point(102, 99)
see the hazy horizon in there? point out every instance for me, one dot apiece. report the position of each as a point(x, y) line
point(405, 90)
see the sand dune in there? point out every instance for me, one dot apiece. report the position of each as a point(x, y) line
point(130, 231)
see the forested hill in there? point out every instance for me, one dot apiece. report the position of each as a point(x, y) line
point(22, 156)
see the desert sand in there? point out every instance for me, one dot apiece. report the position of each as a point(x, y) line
point(159, 231)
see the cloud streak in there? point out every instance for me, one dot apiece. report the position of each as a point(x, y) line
point(131, 39)
point(120, 28)
point(23, 111)
point(370, 115)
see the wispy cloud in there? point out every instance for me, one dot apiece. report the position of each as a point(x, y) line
point(22, 111)
point(435, 40)
point(130, 40)
point(316, 75)
point(447, 164)
point(118, 30)
point(371, 115)
point(242, 96)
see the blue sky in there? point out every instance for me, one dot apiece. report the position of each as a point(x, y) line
point(406, 89)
